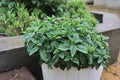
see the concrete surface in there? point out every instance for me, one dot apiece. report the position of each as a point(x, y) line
point(110, 22)
point(17, 74)
point(9, 43)
point(108, 3)
point(89, 1)
point(114, 44)
point(13, 54)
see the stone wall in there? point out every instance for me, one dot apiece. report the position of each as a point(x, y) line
point(89, 1)
point(13, 55)
point(114, 44)
point(108, 3)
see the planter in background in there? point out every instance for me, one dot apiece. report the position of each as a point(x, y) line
point(108, 3)
point(3, 34)
point(89, 1)
point(72, 74)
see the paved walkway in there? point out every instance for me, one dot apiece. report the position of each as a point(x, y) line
point(113, 71)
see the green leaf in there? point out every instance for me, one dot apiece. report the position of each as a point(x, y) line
point(56, 51)
point(100, 45)
point(67, 58)
point(69, 65)
point(30, 46)
point(61, 55)
point(34, 41)
point(90, 59)
point(91, 49)
point(33, 50)
point(41, 40)
point(75, 60)
point(73, 50)
point(44, 56)
point(76, 38)
point(100, 60)
point(82, 49)
point(28, 36)
point(82, 58)
point(54, 60)
point(63, 47)
point(54, 44)
point(105, 37)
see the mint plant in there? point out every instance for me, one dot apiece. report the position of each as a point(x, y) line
point(64, 43)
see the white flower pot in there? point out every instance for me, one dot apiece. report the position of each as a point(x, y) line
point(72, 74)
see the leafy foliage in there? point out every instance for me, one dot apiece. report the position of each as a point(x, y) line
point(78, 8)
point(49, 7)
point(63, 42)
point(14, 22)
point(67, 39)
point(16, 17)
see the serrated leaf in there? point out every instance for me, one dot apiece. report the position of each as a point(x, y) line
point(56, 51)
point(105, 37)
point(54, 44)
point(91, 49)
point(67, 58)
point(75, 60)
point(30, 46)
point(63, 47)
point(90, 59)
point(45, 57)
point(61, 55)
point(82, 58)
point(54, 60)
point(34, 41)
point(82, 49)
point(100, 60)
point(76, 38)
point(41, 40)
point(73, 50)
point(69, 65)
point(33, 50)
point(28, 37)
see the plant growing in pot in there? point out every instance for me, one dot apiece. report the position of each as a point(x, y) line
point(68, 48)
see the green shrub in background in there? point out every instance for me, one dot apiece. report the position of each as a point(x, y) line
point(14, 19)
point(64, 43)
point(2, 30)
point(14, 22)
point(49, 7)
point(78, 8)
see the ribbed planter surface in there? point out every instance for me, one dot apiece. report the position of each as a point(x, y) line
point(72, 74)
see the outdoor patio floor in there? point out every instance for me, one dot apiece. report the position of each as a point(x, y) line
point(113, 71)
